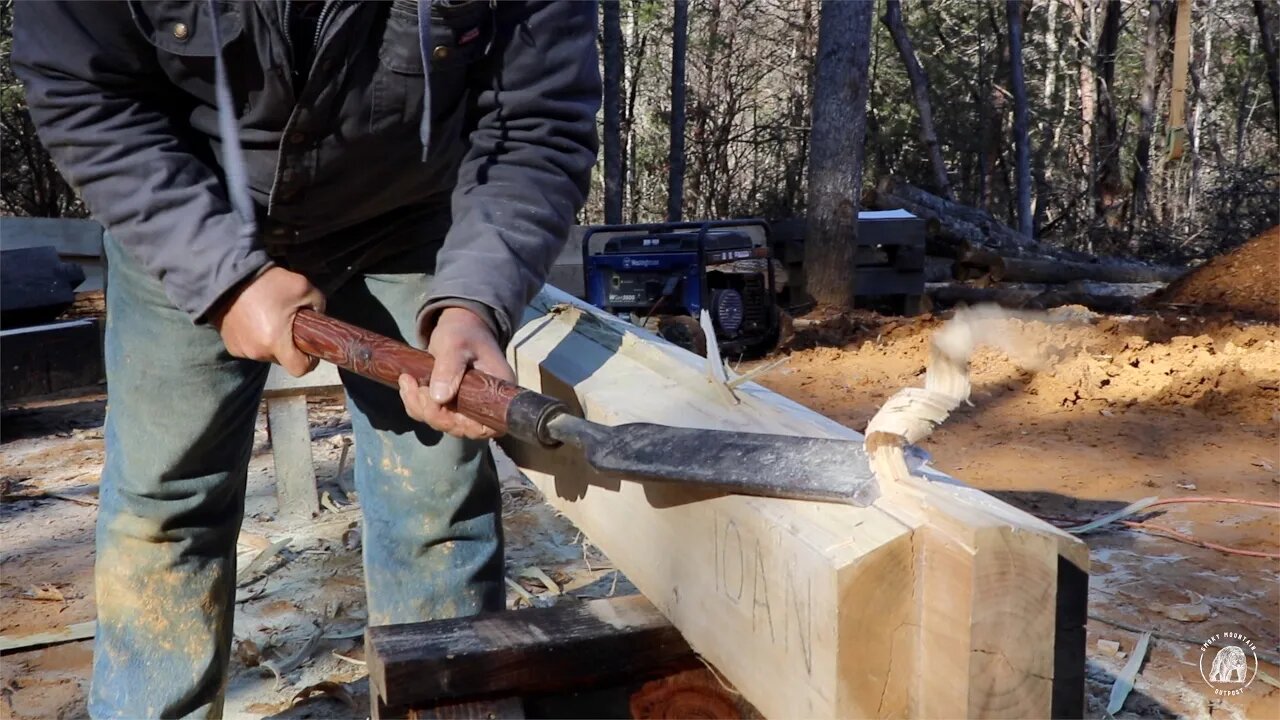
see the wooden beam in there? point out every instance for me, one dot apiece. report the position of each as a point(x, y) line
point(510, 654)
point(938, 600)
point(50, 358)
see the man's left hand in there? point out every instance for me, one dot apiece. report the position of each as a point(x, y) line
point(459, 341)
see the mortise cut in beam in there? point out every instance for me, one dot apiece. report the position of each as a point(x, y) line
point(938, 600)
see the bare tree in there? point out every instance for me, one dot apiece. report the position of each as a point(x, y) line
point(839, 125)
point(992, 109)
point(1142, 155)
point(679, 51)
point(1108, 189)
point(920, 88)
point(613, 167)
point(1269, 55)
point(1021, 117)
point(1085, 25)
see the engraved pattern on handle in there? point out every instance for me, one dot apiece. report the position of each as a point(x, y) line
point(481, 397)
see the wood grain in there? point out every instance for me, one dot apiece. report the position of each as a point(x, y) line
point(481, 397)
point(937, 601)
point(509, 654)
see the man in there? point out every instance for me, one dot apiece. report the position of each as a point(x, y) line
point(412, 170)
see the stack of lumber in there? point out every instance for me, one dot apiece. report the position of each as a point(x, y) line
point(991, 262)
point(936, 601)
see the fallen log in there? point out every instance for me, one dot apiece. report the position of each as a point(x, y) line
point(1058, 271)
point(1098, 296)
point(938, 600)
point(944, 295)
point(957, 223)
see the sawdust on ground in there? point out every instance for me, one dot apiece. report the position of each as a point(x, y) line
point(1245, 281)
point(50, 461)
point(1111, 410)
point(1114, 409)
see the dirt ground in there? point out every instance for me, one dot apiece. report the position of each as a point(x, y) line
point(1244, 281)
point(50, 460)
point(1111, 411)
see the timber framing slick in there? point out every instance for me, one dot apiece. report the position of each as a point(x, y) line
point(937, 601)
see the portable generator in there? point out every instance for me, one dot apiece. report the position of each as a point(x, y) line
point(669, 272)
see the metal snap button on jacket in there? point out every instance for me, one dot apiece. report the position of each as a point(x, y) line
point(181, 31)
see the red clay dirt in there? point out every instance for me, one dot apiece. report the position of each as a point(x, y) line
point(1245, 281)
point(1116, 409)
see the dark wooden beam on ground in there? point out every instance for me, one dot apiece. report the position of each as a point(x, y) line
point(540, 651)
point(50, 358)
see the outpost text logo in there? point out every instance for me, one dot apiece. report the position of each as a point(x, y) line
point(1228, 663)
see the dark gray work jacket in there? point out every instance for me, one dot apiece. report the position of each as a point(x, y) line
point(123, 96)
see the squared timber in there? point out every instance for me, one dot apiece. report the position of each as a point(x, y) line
point(936, 601)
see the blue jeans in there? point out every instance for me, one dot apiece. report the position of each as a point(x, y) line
point(179, 434)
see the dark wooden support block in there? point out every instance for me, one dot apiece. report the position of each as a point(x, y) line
point(1069, 643)
point(522, 652)
point(50, 358)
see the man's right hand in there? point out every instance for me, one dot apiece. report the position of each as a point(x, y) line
point(256, 321)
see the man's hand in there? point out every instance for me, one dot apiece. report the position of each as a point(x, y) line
point(256, 322)
point(460, 340)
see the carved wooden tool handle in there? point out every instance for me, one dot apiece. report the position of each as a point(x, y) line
point(494, 403)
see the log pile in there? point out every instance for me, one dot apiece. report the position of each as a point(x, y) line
point(991, 262)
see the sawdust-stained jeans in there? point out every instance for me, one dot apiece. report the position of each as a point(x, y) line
point(179, 433)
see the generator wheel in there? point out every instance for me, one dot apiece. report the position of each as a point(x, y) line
point(685, 332)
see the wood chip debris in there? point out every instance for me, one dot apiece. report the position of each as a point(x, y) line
point(326, 688)
point(328, 503)
point(282, 667)
point(351, 660)
point(1185, 612)
point(537, 573)
point(257, 567)
point(1108, 647)
point(69, 633)
point(1128, 676)
point(716, 371)
point(521, 595)
point(248, 654)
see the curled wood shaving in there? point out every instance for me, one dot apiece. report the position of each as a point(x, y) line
point(256, 568)
point(715, 366)
point(911, 414)
point(521, 594)
point(1128, 676)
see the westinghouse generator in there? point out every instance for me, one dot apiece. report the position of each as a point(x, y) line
point(669, 272)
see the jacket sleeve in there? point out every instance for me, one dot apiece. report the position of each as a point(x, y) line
point(105, 111)
point(528, 168)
